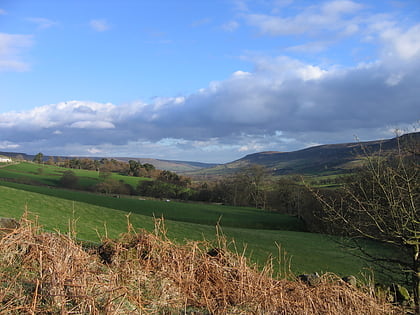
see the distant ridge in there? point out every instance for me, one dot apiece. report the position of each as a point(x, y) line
point(173, 166)
point(316, 159)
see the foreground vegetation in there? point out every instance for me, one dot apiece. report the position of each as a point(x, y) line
point(144, 272)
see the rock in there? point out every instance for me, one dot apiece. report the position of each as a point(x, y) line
point(350, 280)
point(7, 225)
point(106, 252)
point(311, 279)
point(215, 252)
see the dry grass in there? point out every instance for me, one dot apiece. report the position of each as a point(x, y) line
point(146, 273)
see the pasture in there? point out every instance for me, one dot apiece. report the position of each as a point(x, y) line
point(50, 175)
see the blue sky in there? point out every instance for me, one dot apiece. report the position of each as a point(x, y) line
point(206, 81)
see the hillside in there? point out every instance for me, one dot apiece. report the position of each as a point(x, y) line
point(318, 159)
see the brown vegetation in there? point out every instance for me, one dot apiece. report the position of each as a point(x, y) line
point(146, 273)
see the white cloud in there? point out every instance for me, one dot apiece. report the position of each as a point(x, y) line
point(7, 145)
point(11, 48)
point(56, 115)
point(404, 44)
point(42, 23)
point(99, 25)
point(241, 74)
point(2, 12)
point(94, 151)
point(326, 17)
point(230, 26)
point(87, 124)
point(339, 7)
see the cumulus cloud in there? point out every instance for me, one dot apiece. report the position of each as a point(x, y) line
point(404, 44)
point(99, 25)
point(11, 48)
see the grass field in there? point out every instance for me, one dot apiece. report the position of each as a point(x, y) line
point(308, 252)
point(99, 215)
point(199, 213)
point(50, 175)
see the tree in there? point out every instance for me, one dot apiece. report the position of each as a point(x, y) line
point(113, 186)
point(38, 158)
point(247, 186)
point(148, 167)
point(135, 167)
point(381, 203)
point(51, 160)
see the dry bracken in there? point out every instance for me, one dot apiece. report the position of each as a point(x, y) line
point(146, 273)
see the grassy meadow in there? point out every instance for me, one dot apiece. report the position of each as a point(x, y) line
point(50, 175)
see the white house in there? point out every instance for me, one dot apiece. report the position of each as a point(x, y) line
point(5, 160)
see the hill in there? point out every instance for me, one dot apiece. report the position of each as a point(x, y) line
point(169, 165)
point(327, 158)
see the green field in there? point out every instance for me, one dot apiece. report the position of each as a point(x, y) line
point(99, 215)
point(50, 175)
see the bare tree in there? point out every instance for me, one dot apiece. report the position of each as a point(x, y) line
point(381, 203)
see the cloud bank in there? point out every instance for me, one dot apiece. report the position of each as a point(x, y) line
point(284, 103)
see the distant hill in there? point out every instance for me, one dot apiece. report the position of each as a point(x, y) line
point(317, 159)
point(173, 166)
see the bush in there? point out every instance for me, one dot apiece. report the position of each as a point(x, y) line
point(69, 180)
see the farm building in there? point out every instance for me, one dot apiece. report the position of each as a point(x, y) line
point(5, 160)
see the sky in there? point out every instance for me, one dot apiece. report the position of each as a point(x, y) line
point(208, 81)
